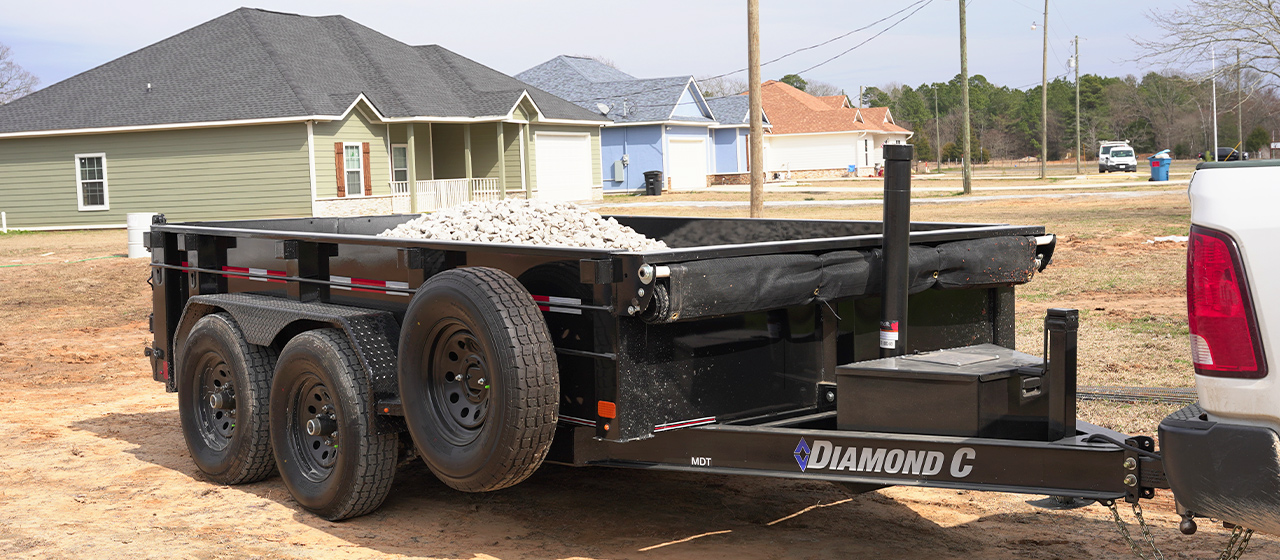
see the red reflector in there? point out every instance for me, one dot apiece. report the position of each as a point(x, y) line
point(606, 409)
point(164, 369)
point(1224, 332)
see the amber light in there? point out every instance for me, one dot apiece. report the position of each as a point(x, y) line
point(606, 409)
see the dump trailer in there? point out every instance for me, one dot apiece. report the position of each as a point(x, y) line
point(868, 353)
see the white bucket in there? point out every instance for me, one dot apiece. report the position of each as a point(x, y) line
point(138, 223)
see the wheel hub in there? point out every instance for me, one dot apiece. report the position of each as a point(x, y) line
point(461, 382)
point(315, 426)
point(216, 408)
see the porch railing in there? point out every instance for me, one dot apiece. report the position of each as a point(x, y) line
point(443, 193)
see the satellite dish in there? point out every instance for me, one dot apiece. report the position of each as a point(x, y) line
point(604, 109)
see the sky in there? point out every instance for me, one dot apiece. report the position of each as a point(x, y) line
point(56, 39)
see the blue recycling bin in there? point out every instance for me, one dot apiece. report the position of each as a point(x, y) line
point(1160, 166)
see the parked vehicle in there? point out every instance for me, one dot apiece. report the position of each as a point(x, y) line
point(1226, 153)
point(1116, 156)
point(1222, 455)
point(772, 348)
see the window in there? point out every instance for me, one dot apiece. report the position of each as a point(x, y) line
point(353, 164)
point(91, 182)
point(399, 163)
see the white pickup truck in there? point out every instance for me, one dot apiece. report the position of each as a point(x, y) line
point(1222, 455)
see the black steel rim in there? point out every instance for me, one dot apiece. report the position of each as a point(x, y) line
point(217, 424)
point(313, 427)
point(459, 384)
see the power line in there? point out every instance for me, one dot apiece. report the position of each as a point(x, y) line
point(869, 39)
point(797, 51)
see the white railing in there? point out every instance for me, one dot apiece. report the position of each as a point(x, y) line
point(443, 193)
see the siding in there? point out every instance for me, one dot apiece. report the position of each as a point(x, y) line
point(201, 174)
point(511, 155)
point(355, 128)
point(532, 172)
point(484, 150)
point(447, 150)
point(726, 150)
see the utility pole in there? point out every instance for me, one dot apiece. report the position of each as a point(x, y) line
point(964, 100)
point(1076, 62)
point(937, 129)
point(756, 165)
point(1044, 95)
point(1213, 75)
point(1239, 106)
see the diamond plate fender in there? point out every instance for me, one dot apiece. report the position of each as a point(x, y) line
point(268, 321)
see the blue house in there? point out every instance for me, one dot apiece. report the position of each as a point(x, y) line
point(657, 124)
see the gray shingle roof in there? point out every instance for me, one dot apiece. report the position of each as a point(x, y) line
point(731, 109)
point(587, 82)
point(257, 64)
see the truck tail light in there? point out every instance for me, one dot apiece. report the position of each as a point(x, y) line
point(1224, 331)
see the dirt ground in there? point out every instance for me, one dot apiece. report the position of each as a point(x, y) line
point(95, 465)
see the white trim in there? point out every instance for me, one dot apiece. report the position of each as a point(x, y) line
point(573, 121)
point(697, 95)
point(57, 228)
point(666, 147)
point(670, 123)
point(339, 198)
point(538, 133)
point(169, 126)
point(311, 163)
point(106, 197)
point(859, 132)
point(524, 185)
point(524, 94)
point(346, 170)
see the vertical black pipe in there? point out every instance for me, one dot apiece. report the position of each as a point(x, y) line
point(1060, 327)
point(897, 240)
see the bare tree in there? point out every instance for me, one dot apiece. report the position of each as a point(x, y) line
point(1251, 26)
point(821, 89)
point(602, 60)
point(14, 81)
point(720, 86)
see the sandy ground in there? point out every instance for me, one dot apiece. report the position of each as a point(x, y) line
point(94, 466)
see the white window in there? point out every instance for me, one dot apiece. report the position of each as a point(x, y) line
point(399, 162)
point(353, 165)
point(91, 182)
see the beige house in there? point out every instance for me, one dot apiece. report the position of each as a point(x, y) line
point(261, 114)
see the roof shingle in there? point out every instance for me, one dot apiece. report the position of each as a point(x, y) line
point(792, 111)
point(258, 64)
point(588, 83)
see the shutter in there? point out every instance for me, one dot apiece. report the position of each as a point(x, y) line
point(368, 173)
point(342, 173)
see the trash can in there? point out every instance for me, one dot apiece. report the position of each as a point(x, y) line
point(1160, 166)
point(653, 183)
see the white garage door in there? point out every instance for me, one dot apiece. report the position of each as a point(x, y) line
point(688, 162)
point(564, 166)
point(819, 151)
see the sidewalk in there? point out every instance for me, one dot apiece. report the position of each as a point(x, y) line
point(878, 187)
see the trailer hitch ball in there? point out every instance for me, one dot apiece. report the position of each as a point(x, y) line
point(222, 401)
point(1188, 525)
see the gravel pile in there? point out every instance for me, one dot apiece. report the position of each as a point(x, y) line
point(525, 222)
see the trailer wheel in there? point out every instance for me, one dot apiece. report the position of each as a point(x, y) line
point(331, 457)
point(478, 379)
point(223, 387)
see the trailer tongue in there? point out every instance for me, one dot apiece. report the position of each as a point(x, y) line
point(867, 353)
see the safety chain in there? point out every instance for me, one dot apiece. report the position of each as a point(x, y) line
point(1238, 543)
point(1124, 531)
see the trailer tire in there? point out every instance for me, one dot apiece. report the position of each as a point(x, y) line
point(230, 442)
point(478, 379)
point(321, 389)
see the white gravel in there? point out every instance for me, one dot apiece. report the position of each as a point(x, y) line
point(525, 222)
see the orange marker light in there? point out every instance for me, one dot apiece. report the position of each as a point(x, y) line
point(606, 409)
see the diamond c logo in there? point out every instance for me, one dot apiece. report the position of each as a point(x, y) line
point(802, 454)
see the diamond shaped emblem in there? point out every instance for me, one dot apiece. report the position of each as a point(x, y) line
point(802, 454)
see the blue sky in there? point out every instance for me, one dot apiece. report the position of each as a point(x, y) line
point(56, 39)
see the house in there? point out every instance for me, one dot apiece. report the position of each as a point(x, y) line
point(813, 137)
point(261, 114)
point(656, 124)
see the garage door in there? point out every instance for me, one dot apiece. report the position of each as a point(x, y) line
point(688, 162)
point(564, 166)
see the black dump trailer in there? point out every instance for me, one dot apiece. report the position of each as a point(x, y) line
point(870, 353)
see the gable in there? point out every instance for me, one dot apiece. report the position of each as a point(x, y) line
point(691, 105)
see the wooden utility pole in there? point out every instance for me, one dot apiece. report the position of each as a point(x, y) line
point(937, 129)
point(1076, 62)
point(967, 172)
point(1239, 106)
point(756, 165)
point(1044, 95)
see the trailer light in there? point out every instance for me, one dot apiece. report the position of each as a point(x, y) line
point(1224, 331)
point(606, 427)
point(606, 409)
